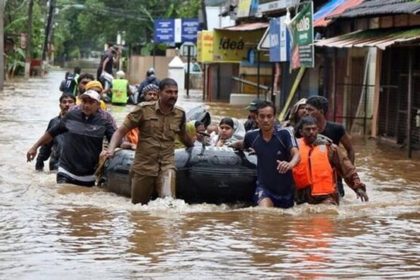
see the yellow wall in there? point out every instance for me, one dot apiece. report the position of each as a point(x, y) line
point(205, 46)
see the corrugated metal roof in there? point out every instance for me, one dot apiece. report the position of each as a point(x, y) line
point(333, 8)
point(380, 38)
point(247, 26)
point(381, 7)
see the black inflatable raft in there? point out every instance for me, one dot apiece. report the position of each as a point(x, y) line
point(204, 174)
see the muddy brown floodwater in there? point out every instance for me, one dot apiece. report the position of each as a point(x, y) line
point(51, 231)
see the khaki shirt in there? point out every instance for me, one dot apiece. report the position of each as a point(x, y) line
point(155, 150)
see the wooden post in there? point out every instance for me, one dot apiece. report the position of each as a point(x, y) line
point(258, 75)
point(376, 94)
point(188, 69)
point(409, 100)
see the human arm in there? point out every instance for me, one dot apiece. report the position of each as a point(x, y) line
point(238, 145)
point(104, 63)
point(132, 120)
point(45, 151)
point(115, 141)
point(186, 135)
point(54, 128)
point(128, 145)
point(44, 154)
point(288, 141)
point(345, 168)
point(245, 143)
point(110, 126)
point(346, 141)
point(284, 166)
point(43, 140)
point(116, 57)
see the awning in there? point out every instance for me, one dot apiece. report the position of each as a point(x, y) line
point(333, 8)
point(380, 38)
point(246, 26)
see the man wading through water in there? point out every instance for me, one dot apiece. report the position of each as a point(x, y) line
point(54, 149)
point(277, 154)
point(84, 128)
point(159, 122)
point(321, 160)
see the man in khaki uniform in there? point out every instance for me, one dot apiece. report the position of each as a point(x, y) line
point(154, 163)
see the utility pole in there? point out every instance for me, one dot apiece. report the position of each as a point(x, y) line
point(2, 4)
point(48, 29)
point(29, 40)
point(203, 11)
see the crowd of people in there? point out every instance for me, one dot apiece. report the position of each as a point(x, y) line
point(299, 161)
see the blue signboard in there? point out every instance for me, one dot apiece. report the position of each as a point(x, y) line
point(274, 36)
point(189, 30)
point(170, 31)
point(285, 40)
point(279, 40)
point(164, 31)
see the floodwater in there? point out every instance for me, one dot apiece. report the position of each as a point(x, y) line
point(50, 231)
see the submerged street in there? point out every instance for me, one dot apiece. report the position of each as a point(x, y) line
point(68, 232)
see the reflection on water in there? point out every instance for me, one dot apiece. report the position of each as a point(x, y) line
point(69, 232)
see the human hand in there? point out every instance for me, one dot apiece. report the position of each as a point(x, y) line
point(203, 133)
point(361, 193)
point(233, 146)
point(106, 154)
point(30, 155)
point(252, 151)
point(283, 166)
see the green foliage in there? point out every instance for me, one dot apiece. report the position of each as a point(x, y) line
point(15, 16)
point(89, 24)
point(189, 9)
point(15, 23)
point(38, 29)
point(15, 62)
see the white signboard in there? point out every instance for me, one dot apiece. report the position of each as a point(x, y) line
point(270, 5)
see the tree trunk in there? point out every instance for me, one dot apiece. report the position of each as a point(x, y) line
point(29, 39)
point(48, 29)
point(2, 4)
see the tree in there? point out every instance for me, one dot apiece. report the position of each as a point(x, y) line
point(29, 40)
point(23, 17)
point(99, 21)
point(2, 4)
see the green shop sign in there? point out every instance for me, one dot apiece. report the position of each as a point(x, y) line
point(303, 36)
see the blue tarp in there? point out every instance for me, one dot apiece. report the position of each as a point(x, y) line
point(327, 8)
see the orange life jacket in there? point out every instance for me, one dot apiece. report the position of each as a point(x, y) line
point(133, 136)
point(314, 169)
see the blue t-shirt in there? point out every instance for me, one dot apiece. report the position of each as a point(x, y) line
point(278, 148)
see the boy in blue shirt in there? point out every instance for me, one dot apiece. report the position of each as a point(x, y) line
point(277, 154)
